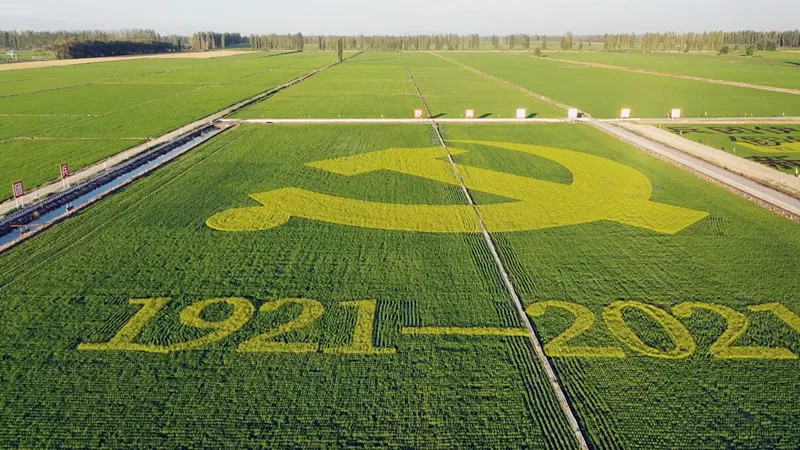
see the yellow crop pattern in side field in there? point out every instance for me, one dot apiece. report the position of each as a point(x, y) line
point(602, 189)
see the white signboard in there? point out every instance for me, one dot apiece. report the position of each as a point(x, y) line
point(418, 114)
point(626, 113)
point(470, 114)
point(572, 113)
point(19, 191)
point(676, 114)
point(522, 113)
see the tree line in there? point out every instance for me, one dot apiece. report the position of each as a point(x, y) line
point(37, 40)
point(714, 41)
point(209, 40)
point(73, 49)
point(277, 41)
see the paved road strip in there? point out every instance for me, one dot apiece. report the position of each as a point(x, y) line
point(739, 183)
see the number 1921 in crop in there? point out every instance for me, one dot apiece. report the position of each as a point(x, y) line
point(242, 311)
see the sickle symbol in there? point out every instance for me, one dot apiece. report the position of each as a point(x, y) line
point(601, 189)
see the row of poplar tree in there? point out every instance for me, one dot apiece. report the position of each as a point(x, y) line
point(203, 41)
point(761, 40)
point(39, 40)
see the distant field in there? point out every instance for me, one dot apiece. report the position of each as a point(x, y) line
point(123, 103)
point(52, 62)
point(604, 92)
point(449, 90)
point(779, 69)
point(376, 85)
point(368, 86)
point(776, 146)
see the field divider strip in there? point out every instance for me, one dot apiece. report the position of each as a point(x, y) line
point(120, 158)
point(555, 383)
point(541, 97)
point(675, 75)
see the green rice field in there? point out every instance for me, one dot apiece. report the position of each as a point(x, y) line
point(604, 92)
point(778, 69)
point(326, 285)
point(98, 110)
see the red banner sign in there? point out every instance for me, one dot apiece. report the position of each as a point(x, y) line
point(19, 191)
point(64, 171)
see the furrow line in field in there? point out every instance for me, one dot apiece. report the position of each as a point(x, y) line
point(674, 75)
point(555, 383)
point(500, 80)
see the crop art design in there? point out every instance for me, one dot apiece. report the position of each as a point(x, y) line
point(602, 189)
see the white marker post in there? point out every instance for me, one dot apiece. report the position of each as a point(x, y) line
point(675, 114)
point(469, 114)
point(522, 113)
point(19, 192)
point(418, 114)
point(625, 113)
point(64, 175)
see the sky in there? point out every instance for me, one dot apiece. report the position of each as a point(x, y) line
point(398, 17)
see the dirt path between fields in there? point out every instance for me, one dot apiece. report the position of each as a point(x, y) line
point(73, 62)
point(672, 75)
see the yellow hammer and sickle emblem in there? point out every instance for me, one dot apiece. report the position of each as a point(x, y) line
point(601, 189)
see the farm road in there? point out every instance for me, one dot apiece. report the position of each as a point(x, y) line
point(672, 75)
point(783, 182)
point(673, 151)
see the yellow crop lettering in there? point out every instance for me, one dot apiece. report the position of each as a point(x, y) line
point(124, 338)
point(584, 321)
point(363, 333)
point(737, 324)
point(680, 336)
point(602, 189)
point(311, 311)
point(242, 312)
point(459, 331)
point(190, 316)
point(782, 312)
